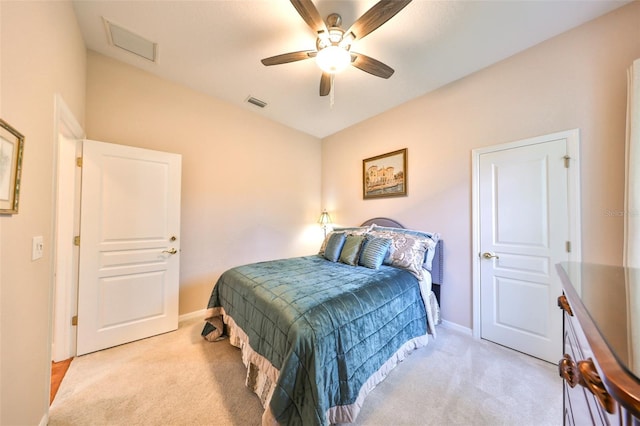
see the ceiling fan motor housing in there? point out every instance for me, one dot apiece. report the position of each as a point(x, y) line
point(335, 35)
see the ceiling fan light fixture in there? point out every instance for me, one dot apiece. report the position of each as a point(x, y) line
point(333, 59)
point(346, 41)
point(335, 35)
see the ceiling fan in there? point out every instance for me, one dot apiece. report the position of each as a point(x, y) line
point(333, 45)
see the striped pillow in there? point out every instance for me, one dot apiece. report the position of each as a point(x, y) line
point(374, 251)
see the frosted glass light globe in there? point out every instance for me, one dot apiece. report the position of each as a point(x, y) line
point(333, 59)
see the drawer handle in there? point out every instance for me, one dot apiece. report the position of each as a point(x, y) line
point(592, 381)
point(564, 304)
point(569, 371)
point(584, 373)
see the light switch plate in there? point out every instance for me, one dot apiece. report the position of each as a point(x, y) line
point(37, 248)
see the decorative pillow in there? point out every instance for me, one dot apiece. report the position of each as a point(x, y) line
point(374, 250)
point(407, 250)
point(334, 246)
point(355, 230)
point(430, 239)
point(324, 243)
point(377, 228)
point(351, 249)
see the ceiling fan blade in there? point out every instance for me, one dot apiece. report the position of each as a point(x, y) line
point(370, 65)
point(310, 14)
point(373, 18)
point(325, 84)
point(289, 57)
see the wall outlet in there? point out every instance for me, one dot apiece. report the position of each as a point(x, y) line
point(37, 247)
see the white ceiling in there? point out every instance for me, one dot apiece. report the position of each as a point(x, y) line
point(215, 47)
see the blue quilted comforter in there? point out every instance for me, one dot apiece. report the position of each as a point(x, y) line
point(327, 327)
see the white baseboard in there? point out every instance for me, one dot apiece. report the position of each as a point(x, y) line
point(453, 326)
point(193, 315)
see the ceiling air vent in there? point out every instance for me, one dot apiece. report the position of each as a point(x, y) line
point(126, 40)
point(256, 102)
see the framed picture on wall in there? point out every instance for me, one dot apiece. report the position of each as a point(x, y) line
point(11, 149)
point(385, 175)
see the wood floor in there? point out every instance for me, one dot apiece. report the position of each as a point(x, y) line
point(58, 370)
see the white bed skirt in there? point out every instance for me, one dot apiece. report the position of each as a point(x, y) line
point(262, 375)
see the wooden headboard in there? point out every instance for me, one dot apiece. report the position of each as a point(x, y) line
point(437, 266)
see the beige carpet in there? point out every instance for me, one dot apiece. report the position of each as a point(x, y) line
point(179, 379)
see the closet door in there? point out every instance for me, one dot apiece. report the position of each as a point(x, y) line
point(524, 231)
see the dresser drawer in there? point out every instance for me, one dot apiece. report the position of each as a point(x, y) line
point(581, 406)
point(601, 381)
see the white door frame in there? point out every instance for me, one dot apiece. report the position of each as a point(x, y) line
point(573, 148)
point(63, 337)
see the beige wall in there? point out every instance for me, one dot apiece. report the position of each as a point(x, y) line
point(576, 80)
point(42, 53)
point(250, 187)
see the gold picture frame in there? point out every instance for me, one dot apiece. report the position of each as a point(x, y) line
point(11, 150)
point(385, 175)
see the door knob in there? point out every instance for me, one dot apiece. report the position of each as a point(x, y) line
point(488, 255)
point(172, 250)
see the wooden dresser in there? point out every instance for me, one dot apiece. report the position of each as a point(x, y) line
point(601, 329)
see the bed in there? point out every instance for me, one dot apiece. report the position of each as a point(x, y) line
point(319, 332)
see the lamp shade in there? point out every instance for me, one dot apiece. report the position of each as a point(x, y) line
point(324, 219)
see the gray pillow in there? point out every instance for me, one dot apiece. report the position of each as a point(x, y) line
point(334, 246)
point(374, 252)
point(351, 249)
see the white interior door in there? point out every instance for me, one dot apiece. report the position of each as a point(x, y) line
point(129, 245)
point(524, 230)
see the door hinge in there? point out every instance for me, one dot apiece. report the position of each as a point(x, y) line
point(76, 241)
point(568, 246)
point(74, 320)
point(566, 161)
point(79, 161)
